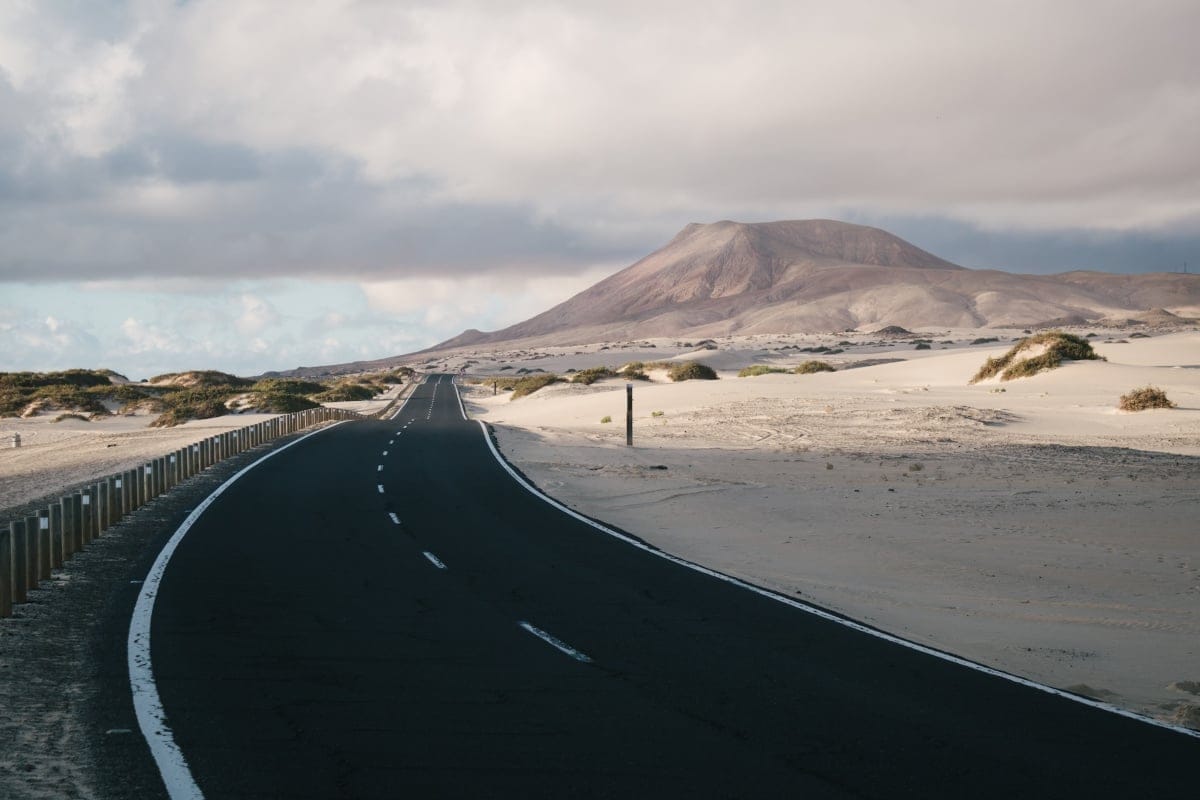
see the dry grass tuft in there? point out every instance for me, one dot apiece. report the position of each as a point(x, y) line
point(810, 367)
point(1145, 398)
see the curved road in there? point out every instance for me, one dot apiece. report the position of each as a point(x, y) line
point(382, 611)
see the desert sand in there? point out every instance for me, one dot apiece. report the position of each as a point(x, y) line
point(1027, 525)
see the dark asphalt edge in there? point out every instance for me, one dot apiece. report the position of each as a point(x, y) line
point(837, 616)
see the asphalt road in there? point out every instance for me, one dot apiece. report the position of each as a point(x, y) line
point(382, 611)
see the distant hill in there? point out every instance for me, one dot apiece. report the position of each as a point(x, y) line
point(822, 275)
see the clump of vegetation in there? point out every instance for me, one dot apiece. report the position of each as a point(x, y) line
point(529, 385)
point(634, 371)
point(589, 376)
point(985, 340)
point(657, 413)
point(1058, 347)
point(691, 371)
point(201, 377)
point(62, 417)
point(347, 391)
point(605, 419)
point(203, 402)
point(759, 369)
point(288, 386)
point(74, 390)
point(1145, 398)
point(809, 367)
point(923, 346)
point(282, 403)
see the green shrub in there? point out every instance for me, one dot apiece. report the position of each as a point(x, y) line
point(282, 403)
point(1145, 398)
point(634, 371)
point(922, 346)
point(198, 403)
point(288, 386)
point(691, 371)
point(346, 392)
point(657, 413)
point(759, 369)
point(589, 376)
point(530, 384)
point(203, 377)
point(605, 419)
point(1059, 346)
point(809, 367)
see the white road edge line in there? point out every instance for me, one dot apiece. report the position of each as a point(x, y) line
point(147, 705)
point(557, 644)
point(395, 519)
point(379, 486)
point(887, 637)
point(434, 560)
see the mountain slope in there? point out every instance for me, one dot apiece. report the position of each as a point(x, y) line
point(820, 275)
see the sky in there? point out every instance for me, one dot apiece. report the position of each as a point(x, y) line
point(248, 185)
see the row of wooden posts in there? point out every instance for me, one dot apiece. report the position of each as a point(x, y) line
point(32, 547)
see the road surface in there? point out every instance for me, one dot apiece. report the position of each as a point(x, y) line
point(382, 611)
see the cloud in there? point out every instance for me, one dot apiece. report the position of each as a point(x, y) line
point(30, 342)
point(393, 141)
point(257, 315)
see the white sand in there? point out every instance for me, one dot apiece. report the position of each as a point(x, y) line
point(1004, 526)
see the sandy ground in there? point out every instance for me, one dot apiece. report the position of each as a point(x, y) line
point(1036, 529)
point(56, 455)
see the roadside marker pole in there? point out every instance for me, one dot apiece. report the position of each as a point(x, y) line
point(629, 415)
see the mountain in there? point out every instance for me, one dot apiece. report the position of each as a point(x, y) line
point(822, 275)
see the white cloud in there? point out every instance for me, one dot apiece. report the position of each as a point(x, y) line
point(489, 301)
point(142, 338)
point(257, 315)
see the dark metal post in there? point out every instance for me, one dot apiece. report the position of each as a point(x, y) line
point(629, 415)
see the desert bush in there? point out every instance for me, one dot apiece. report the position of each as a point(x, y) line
point(62, 417)
point(657, 413)
point(202, 377)
point(282, 403)
point(985, 340)
point(809, 367)
point(530, 384)
point(605, 419)
point(288, 386)
point(691, 371)
point(589, 376)
point(1145, 398)
point(203, 402)
point(346, 392)
point(759, 369)
point(923, 346)
point(1059, 346)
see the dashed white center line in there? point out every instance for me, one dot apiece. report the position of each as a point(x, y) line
point(391, 441)
point(557, 644)
point(395, 519)
point(379, 486)
point(379, 468)
point(434, 560)
point(385, 452)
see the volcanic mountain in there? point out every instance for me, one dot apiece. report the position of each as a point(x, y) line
point(822, 275)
